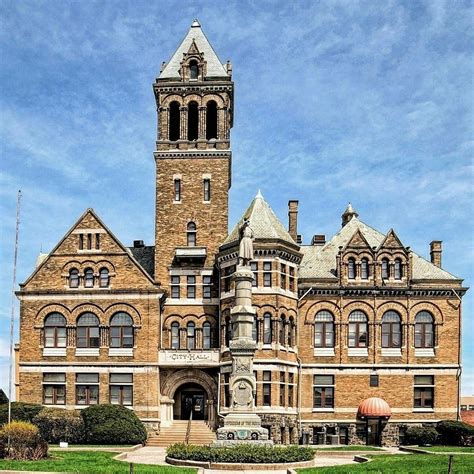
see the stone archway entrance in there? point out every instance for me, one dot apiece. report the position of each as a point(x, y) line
point(186, 391)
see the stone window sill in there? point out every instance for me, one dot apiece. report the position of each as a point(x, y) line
point(123, 352)
point(428, 352)
point(324, 352)
point(391, 352)
point(87, 352)
point(423, 410)
point(54, 351)
point(323, 410)
point(358, 352)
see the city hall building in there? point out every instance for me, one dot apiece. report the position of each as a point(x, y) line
point(358, 337)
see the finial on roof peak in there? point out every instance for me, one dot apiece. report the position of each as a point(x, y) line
point(196, 24)
point(348, 214)
point(259, 195)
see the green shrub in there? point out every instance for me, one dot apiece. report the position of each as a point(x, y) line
point(421, 435)
point(112, 424)
point(25, 441)
point(20, 412)
point(58, 424)
point(241, 453)
point(3, 397)
point(455, 433)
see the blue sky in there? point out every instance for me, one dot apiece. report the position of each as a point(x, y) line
point(337, 101)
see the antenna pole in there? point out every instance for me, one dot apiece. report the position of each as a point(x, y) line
point(12, 320)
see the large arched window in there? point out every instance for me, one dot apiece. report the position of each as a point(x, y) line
point(193, 121)
point(74, 278)
point(206, 335)
point(351, 269)
point(282, 330)
point(193, 69)
point(174, 121)
point(255, 329)
point(424, 330)
point(55, 330)
point(364, 269)
point(87, 332)
point(191, 234)
point(385, 269)
point(391, 330)
point(267, 328)
point(358, 330)
point(191, 336)
point(211, 120)
point(103, 278)
point(397, 269)
point(88, 278)
point(121, 330)
point(175, 335)
point(324, 329)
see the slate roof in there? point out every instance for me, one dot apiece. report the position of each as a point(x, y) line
point(214, 66)
point(320, 261)
point(263, 222)
point(145, 256)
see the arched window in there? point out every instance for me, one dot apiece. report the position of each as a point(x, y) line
point(206, 335)
point(211, 120)
point(193, 121)
point(351, 269)
point(103, 278)
point(255, 329)
point(228, 331)
point(174, 121)
point(324, 329)
point(358, 331)
point(191, 336)
point(175, 335)
point(191, 234)
point(74, 278)
point(397, 269)
point(385, 269)
point(89, 278)
point(282, 330)
point(193, 69)
point(55, 330)
point(424, 330)
point(267, 328)
point(391, 330)
point(121, 330)
point(364, 269)
point(87, 331)
point(291, 327)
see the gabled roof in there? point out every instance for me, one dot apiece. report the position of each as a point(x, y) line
point(320, 261)
point(263, 222)
point(214, 66)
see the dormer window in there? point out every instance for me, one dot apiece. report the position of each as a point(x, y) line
point(364, 269)
point(193, 70)
point(397, 269)
point(385, 271)
point(351, 272)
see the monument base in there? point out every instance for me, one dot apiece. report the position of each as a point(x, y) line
point(242, 428)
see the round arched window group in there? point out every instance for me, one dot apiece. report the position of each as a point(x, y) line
point(191, 343)
point(358, 333)
point(89, 279)
point(364, 269)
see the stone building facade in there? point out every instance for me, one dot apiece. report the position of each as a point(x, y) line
point(357, 336)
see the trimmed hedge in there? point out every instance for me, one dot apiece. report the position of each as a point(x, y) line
point(112, 424)
point(241, 453)
point(455, 433)
point(25, 441)
point(421, 436)
point(58, 424)
point(20, 412)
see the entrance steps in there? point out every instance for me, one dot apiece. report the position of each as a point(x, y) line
point(200, 434)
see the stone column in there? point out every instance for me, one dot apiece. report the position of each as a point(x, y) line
point(183, 129)
point(202, 123)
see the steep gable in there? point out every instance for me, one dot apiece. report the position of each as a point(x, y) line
point(358, 242)
point(391, 242)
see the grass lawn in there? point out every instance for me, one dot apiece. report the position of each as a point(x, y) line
point(88, 462)
point(402, 463)
point(348, 448)
point(450, 449)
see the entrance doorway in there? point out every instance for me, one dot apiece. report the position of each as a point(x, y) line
point(374, 430)
point(190, 398)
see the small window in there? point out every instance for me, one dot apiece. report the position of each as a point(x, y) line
point(351, 271)
point(254, 268)
point(374, 380)
point(207, 287)
point(282, 330)
point(177, 190)
point(364, 269)
point(207, 189)
point(103, 277)
point(175, 335)
point(121, 389)
point(193, 69)
point(423, 391)
point(323, 391)
point(191, 234)
point(292, 279)
point(87, 389)
point(206, 335)
point(121, 331)
point(74, 278)
point(175, 286)
point(174, 121)
point(398, 269)
point(283, 276)
point(191, 287)
point(81, 242)
point(267, 328)
point(193, 121)
point(385, 269)
point(54, 388)
point(89, 278)
point(267, 388)
point(97, 241)
point(267, 275)
point(211, 120)
point(89, 241)
point(191, 336)
point(282, 389)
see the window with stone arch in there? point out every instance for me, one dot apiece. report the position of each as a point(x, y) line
point(104, 279)
point(193, 121)
point(88, 278)
point(73, 278)
point(191, 336)
point(193, 69)
point(211, 120)
point(121, 331)
point(206, 335)
point(364, 269)
point(351, 269)
point(324, 329)
point(175, 335)
point(385, 269)
point(191, 233)
point(291, 331)
point(174, 121)
point(55, 330)
point(282, 329)
point(358, 329)
point(391, 330)
point(267, 328)
point(397, 269)
point(87, 331)
point(424, 330)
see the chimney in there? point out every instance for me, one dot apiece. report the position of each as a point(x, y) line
point(293, 219)
point(436, 250)
point(138, 244)
point(318, 239)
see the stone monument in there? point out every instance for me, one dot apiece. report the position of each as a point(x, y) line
point(242, 424)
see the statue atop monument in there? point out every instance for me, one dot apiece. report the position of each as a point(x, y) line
point(246, 243)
